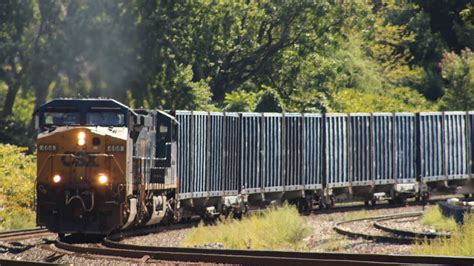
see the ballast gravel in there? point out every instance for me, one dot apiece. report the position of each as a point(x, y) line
point(322, 239)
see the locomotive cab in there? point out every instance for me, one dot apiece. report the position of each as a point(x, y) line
point(82, 172)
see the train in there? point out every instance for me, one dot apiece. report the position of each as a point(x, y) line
point(104, 167)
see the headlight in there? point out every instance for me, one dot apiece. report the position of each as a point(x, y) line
point(115, 148)
point(81, 138)
point(47, 147)
point(56, 179)
point(103, 179)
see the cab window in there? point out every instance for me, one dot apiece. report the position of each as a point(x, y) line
point(105, 118)
point(61, 118)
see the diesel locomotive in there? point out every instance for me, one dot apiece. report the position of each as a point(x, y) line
point(103, 167)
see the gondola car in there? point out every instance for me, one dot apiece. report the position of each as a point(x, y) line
point(103, 167)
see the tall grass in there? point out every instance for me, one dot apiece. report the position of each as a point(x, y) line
point(433, 217)
point(461, 242)
point(281, 228)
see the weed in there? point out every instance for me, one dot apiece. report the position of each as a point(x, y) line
point(281, 228)
point(433, 217)
point(461, 242)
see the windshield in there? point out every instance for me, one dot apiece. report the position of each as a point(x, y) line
point(61, 118)
point(105, 118)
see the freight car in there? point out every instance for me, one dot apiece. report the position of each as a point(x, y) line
point(230, 158)
point(103, 166)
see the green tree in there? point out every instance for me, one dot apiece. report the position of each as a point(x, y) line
point(458, 71)
point(395, 100)
point(16, 39)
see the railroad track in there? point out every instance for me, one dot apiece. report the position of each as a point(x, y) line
point(407, 233)
point(23, 234)
point(111, 246)
point(391, 235)
point(253, 257)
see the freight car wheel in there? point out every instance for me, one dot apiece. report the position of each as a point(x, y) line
point(425, 198)
point(304, 206)
point(373, 202)
point(322, 205)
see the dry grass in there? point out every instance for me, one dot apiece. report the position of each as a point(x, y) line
point(333, 244)
point(461, 242)
point(280, 229)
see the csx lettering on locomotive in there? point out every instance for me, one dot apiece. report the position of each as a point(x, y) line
point(79, 159)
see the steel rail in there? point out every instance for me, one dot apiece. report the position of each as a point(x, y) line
point(23, 233)
point(22, 262)
point(255, 257)
point(408, 233)
point(112, 247)
point(210, 256)
point(19, 231)
point(378, 238)
point(113, 242)
point(258, 257)
point(347, 257)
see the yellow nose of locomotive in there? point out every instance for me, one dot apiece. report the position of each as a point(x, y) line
point(81, 174)
point(81, 156)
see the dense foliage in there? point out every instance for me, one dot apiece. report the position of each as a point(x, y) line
point(236, 55)
point(17, 179)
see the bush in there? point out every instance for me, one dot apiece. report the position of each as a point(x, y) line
point(437, 220)
point(281, 228)
point(17, 179)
